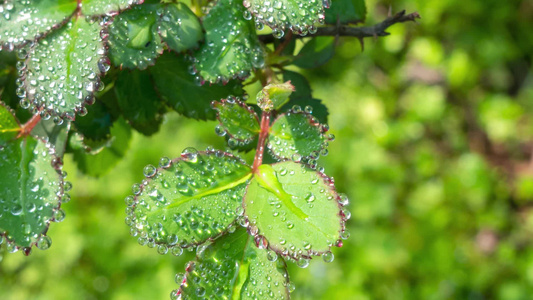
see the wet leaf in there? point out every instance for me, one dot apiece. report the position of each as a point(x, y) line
point(106, 7)
point(9, 125)
point(297, 15)
point(237, 120)
point(62, 70)
point(188, 200)
point(295, 208)
point(22, 21)
point(134, 40)
point(274, 96)
point(232, 48)
point(296, 136)
point(234, 268)
point(54, 134)
point(346, 11)
point(30, 191)
point(302, 96)
point(96, 125)
point(177, 87)
point(180, 28)
point(316, 52)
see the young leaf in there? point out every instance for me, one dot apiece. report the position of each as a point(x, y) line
point(296, 135)
point(138, 101)
point(188, 200)
point(298, 15)
point(295, 208)
point(346, 11)
point(303, 98)
point(232, 48)
point(98, 163)
point(237, 120)
point(180, 28)
point(236, 269)
point(134, 41)
point(30, 188)
point(106, 7)
point(274, 96)
point(177, 87)
point(316, 52)
point(62, 70)
point(9, 125)
point(23, 21)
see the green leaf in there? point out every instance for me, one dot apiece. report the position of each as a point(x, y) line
point(188, 200)
point(237, 120)
point(180, 28)
point(62, 70)
point(295, 208)
point(96, 125)
point(23, 21)
point(274, 96)
point(303, 98)
point(134, 41)
point(346, 11)
point(232, 48)
point(138, 101)
point(300, 16)
point(177, 87)
point(106, 7)
point(9, 125)
point(316, 52)
point(98, 163)
point(55, 134)
point(237, 270)
point(296, 135)
point(31, 189)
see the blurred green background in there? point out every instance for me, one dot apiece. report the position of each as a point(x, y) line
point(434, 146)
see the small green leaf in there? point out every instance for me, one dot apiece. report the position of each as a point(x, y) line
point(177, 87)
point(274, 96)
point(106, 7)
point(62, 70)
point(303, 98)
point(9, 125)
point(98, 163)
point(237, 270)
point(31, 189)
point(316, 52)
point(55, 134)
point(138, 101)
point(134, 41)
point(296, 135)
point(96, 125)
point(295, 208)
point(346, 11)
point(237, 120)
point(232, 48)
point(300, 16)
point(180, 28)
point(188, 200)
point(23, 21)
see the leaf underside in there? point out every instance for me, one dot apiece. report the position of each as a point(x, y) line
point(238, 120)
point(296, 209)
point(234, 268)
point(191, 200)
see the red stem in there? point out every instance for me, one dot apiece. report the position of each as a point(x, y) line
point(263, 134)
point(28, 126)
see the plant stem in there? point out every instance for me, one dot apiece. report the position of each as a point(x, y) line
point(263, 134)
point(28, 126)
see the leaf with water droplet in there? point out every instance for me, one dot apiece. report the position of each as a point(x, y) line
point(190, 200)
point(106, 7)
point(62, 70)
point(297, 15)
point(232, 48)
point(9, 125)
point(316, 52)
point(295, 208)
point(30, 190)
point(134, 40)
point(22, 21)
point(138, 101)
point(177, 87)
point(238, 120)
point(274, 96)
point(96, 125)
point(346, 11)
point(55, 134)
point(180, 28)
point(302, 96)
point(235, 269)
point(296, 134)
point(98, 162)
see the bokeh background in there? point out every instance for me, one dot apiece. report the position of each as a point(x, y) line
point(434, 147)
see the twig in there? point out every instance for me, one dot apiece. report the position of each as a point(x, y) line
point(358, 32)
